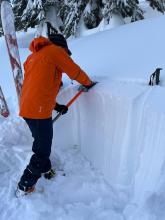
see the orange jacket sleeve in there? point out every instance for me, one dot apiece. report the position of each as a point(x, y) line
point(68, 66)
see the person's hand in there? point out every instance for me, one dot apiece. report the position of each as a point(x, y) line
point(61, 108)
point(86, 88)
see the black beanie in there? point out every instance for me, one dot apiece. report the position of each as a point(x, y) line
point(59, 40)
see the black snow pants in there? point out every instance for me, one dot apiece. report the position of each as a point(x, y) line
point(42, 132)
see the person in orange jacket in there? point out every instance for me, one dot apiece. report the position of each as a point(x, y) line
point(42, 78)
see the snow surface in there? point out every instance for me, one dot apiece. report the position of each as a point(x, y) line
point(111, 142)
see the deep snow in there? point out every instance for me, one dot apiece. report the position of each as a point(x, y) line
point(110, 144)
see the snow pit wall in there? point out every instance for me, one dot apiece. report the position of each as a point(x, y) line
point(119, 131)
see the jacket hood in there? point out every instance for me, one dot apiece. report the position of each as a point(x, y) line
point(39, 43)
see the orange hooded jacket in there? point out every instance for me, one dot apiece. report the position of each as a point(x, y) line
point(42, 78)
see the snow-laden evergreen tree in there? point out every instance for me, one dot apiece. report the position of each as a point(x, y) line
point(18, 7)
point(71, 13)
point(65, 15)
point(157, 4)
point(136, 13)
point(29, 13)
point(93, 14)
point(125, 8)
point(33, 13)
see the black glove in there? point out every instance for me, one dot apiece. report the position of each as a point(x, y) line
point(86, 88)
point(61, 108)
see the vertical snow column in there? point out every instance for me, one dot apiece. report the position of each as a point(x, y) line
point(150, 171)
point(104, 132)
point(109, 129)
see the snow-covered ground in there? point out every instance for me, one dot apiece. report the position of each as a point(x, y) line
point(111, 142)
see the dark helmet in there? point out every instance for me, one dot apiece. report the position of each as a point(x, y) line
point(59, 40)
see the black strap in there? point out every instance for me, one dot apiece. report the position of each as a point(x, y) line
point(50, 29)
point(155, 77)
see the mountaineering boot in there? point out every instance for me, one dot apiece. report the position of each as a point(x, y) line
point(27, 183)
point(49, 174)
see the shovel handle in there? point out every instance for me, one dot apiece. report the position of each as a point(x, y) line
point(68, 104)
